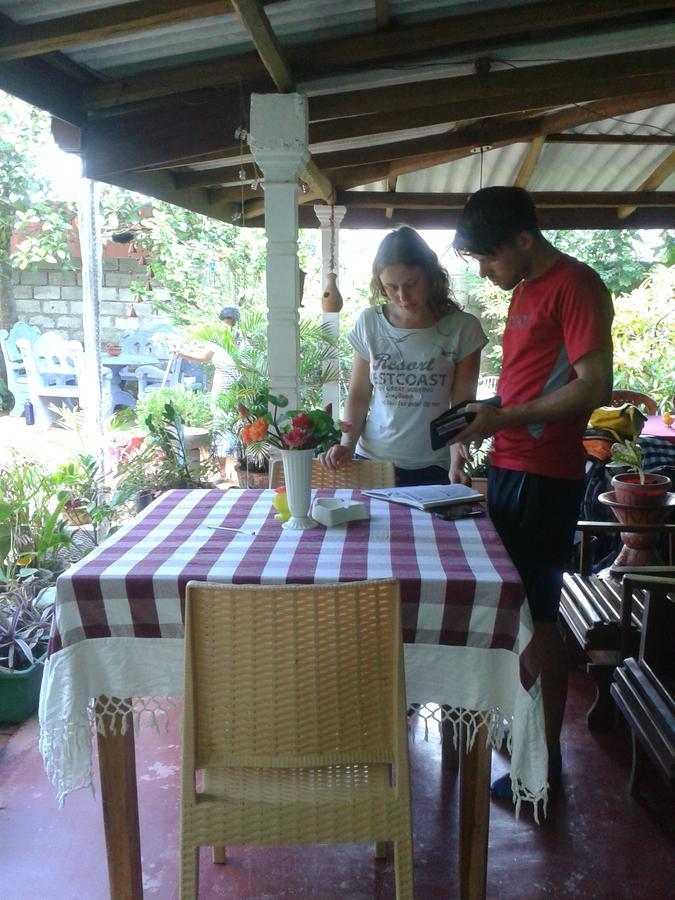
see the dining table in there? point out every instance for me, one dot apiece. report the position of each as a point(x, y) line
point(124, 360)
point(116, 651)
point(655, 427)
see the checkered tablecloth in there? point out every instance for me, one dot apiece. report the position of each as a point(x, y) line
point(466, 625)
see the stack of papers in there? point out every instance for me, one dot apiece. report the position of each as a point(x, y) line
point(427, 496)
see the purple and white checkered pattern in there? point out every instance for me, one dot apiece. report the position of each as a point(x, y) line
point(458, 585)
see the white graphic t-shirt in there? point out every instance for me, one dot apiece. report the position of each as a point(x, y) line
point(411, 370)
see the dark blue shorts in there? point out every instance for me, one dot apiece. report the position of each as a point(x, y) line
point(536, 517)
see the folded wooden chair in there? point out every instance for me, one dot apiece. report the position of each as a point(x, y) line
point(359, 473)
point(295, 719)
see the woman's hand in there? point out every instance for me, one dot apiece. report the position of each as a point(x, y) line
point(336, 456)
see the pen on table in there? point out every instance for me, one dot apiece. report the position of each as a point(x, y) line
point(227, 528)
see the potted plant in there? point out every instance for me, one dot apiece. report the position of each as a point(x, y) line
point(90, 500)
point(298, 435)
point(33, 533)
point(25, 623)
point(637, 487)
point(162, 460)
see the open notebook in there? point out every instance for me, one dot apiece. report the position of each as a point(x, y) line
point(427, 496)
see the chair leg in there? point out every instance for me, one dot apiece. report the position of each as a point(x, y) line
point(219, 855)
point(189, 873)
point(602, 714)
point(381, 849)
point(403, 868)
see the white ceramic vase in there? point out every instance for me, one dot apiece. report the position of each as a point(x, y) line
point(298, 477)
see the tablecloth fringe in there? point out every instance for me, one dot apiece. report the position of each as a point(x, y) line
point(465, 727)
point(68, 748)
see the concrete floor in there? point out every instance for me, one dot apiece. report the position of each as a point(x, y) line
point(597, 841)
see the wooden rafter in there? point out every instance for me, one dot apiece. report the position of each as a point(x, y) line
point(529, 162)
point(269, 50)
point(381, 13)
point(68, 32)
point(578, 75)
point(542, 199)
point(467, 33)
point(588, 138)
point(460, 142)
point(648, 187)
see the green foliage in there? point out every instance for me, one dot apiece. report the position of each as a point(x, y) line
point(629, 454)
point(204, 264)
point(617, 256)
point(87, 490)
point(249, 353)
point(31, 529)
point(644, 337)
point(26, 200)
point(192, 407)
point(163, 460)
point(24, 628)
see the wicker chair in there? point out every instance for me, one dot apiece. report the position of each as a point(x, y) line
point(636, 398)
point(359, 473)
point(295, 716)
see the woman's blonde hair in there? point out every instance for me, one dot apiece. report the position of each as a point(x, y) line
point(405, 247)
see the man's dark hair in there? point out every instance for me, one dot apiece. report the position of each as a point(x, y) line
point(493, 217)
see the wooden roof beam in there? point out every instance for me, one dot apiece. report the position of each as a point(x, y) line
point(529, 162)
point(549, 218)
point(575, 76)
point(542, 199)
point(467, 32)
point(663, 171)
point(460, 142)
point(67, 32)
point(269, 50)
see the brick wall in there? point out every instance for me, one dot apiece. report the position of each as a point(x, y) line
point(51, 299)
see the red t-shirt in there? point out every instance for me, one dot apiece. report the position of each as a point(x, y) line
point(553, 321)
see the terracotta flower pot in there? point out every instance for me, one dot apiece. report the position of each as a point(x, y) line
point(629, 491)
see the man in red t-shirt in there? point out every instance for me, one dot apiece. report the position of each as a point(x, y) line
point(556, 368)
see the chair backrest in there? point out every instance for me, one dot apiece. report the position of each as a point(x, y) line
point(50, 359)
point(359, 473)
point(636, 398)
point(8, 339)
point(487, 386)
point(286, 676)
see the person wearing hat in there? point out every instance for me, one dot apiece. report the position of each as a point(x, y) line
point(224, 374)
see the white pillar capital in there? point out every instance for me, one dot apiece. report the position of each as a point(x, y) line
point(279, 135)
point(323, 214)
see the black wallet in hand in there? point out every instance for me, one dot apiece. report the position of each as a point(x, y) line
point(454, 420)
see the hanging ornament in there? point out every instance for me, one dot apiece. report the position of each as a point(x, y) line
point(138, 298)
point(132, 312)
point(331, 301)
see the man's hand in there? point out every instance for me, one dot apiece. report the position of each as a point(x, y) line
point(336, 456)
point(484, 425)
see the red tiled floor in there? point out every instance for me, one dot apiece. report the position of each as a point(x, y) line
point(597, 842)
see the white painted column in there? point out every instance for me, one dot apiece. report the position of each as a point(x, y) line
point(278, 141)
point(331, 389)
point(90, 246)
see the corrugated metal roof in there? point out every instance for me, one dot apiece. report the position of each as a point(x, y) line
point(561, 167)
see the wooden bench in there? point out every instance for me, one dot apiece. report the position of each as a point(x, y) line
point(644, 688)
point(55, 369)
point(605, 628)
point(17, 380)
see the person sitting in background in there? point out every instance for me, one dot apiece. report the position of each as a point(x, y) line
point(415, 354)
point(224, 374)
